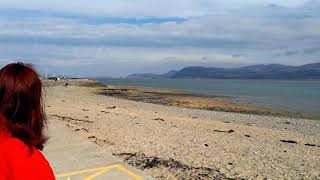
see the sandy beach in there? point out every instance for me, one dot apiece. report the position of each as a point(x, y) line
point(169, 142)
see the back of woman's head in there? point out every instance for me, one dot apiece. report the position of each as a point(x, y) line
point(21, 104)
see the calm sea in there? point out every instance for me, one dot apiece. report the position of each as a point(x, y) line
point(293, 96)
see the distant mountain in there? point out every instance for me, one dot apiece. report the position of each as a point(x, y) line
point(271, 71)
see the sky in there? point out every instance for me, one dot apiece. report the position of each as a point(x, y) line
point(121, 37)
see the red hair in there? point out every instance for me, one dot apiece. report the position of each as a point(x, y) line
point(21, 104)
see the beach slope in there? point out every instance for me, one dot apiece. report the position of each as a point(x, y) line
point(169, 142)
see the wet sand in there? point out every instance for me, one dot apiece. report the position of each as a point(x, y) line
point(172, 97)
point(170, 142)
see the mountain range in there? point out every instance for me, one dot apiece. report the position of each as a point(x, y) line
point(270, 71)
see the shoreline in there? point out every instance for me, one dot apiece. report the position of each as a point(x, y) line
point(178, 98)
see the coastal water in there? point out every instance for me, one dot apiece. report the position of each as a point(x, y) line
point(293, 96)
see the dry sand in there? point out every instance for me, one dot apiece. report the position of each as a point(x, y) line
point(178, 143)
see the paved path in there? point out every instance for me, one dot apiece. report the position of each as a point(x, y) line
point(72, 157)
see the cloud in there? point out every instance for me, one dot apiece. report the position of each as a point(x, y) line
point(128, 37)
point(311, 50)
point(207, 32)
point(144, 8)
point(291, 52)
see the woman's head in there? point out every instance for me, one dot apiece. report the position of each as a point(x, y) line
point(21, 103)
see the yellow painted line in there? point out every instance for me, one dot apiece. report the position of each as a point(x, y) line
point(129, 173)
point(85, 171)
point(95, 175)
point(99, 171)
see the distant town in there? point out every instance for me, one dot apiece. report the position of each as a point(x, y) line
point(57, 77)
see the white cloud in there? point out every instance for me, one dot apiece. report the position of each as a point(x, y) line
point(219, 32)
point(143, 8)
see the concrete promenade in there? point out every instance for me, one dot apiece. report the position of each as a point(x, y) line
point(73, 157)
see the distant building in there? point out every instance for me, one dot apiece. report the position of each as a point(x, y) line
point(54, 78)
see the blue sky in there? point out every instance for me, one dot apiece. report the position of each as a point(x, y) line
point(119, 37)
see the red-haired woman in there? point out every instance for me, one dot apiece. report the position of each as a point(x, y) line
point(21, 125)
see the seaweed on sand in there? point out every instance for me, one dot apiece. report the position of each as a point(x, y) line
point(173, 167)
